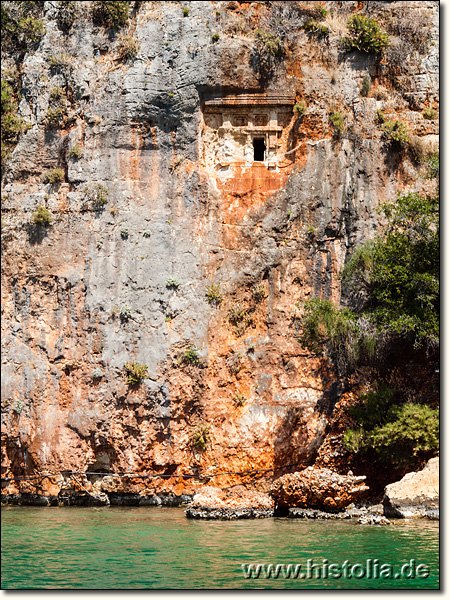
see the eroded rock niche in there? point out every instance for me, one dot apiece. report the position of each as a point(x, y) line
point(247, 139)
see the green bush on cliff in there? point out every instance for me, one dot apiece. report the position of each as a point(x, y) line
point(111, 14)
point(214, 295)
point(412, 430)
point(240, 318)
point(239, 399)
point(75, 152)
point(397, 433)
point(200, 436)
point(396, 275)
point(135, 372)
point(299, 108)
point(312, 26)
point(337, 120)
point(12, 126)
point(57, 109)
point(96, 194)
point(395, 131)
point(42, 216)
point(62, 63)
point(365, 35)
point(172, 283)
point(21, 26)
point(429, 113)
point(347, 339)
point(53, 176)
point(190, 356)
point(56, 115)
point(259, 292)
point(392, 283)
point(67, 13)
point(268, 43)
point(125, 313)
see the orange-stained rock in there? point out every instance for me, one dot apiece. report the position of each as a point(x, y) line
point(317, 488)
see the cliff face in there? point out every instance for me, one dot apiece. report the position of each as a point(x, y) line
point(170, 136)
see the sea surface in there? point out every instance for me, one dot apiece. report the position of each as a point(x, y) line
point(158, 548)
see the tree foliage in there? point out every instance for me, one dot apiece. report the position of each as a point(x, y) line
point(392, 286)
point(397, 432)
point(397, 273)
point(349, 340)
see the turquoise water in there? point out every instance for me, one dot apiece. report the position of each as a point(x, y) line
point(158, 548)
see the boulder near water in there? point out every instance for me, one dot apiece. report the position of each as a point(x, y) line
point(317, 488)
point(415, 495)
point(237, 503)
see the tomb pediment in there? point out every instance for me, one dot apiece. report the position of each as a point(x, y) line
point(216, 99)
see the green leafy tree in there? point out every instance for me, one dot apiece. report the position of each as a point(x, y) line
point(397, 433)
point(397, 273)
point(392, 285)
point(411, 431)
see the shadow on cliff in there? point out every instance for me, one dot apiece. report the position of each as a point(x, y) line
point(393, 156)
point(295, 446)
point(19, 460)
point(36, 233)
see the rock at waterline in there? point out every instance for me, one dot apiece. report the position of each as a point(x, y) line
point(415, 495)
point(317, 488)
point(238, 503)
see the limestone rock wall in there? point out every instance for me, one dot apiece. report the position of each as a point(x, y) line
point(92, 290)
